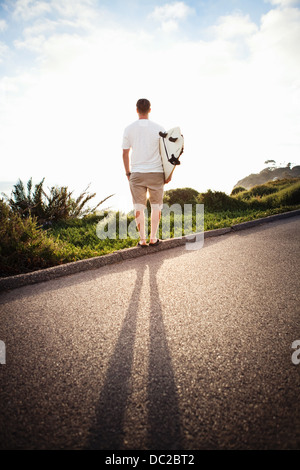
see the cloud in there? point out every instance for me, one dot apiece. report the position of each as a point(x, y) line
point(275, 46)
point(65, 113)
point(170, 14)
point(234, 26)
point(40, 26)
point(43, 20)
point(33, 44)
point(4, 49)
point(3, 26)
point(75, 13)
point(29, 9)
point(70, 8)
point(283, 3)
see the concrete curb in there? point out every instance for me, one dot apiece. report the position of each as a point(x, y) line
point(67, 269)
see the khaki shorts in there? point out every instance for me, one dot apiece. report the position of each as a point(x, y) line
point(140, 183)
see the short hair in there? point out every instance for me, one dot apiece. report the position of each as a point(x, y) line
point(143, 105)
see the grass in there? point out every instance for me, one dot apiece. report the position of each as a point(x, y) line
point(227, 219)
point(82, 235)
point(26, 247)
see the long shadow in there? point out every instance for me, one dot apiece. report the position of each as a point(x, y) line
point(163, 424)
point(108, 430)
point(164, 430)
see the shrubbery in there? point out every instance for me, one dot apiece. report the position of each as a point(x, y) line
point(219, 201)
point(266, 196)
point(57, 204)
point(273, 194)
point(181, 196)
point(25, 246)
point(237, 190)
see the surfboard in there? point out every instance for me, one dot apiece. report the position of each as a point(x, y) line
point(171, 145)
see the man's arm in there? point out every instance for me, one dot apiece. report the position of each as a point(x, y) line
point(126, 162)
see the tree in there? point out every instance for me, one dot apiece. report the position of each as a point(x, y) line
point(267, 162)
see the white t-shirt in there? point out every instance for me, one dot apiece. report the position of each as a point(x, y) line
point(142, 136)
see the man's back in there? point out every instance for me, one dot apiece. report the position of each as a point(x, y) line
point(146, 175)
point(142, 136)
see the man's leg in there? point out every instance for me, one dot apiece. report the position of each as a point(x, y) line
point(156, 192)
point(139, 197)
point(140, 223)
point(155, 218)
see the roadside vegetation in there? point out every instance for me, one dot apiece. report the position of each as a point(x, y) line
point(39, 229)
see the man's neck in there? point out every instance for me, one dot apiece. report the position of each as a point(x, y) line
point(143, 116)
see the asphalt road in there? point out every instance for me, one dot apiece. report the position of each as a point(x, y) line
point(175, 350)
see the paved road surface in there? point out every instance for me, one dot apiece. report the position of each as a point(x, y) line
point(175, 350)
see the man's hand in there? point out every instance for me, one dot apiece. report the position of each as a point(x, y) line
point(168, 180)
point(126, 162)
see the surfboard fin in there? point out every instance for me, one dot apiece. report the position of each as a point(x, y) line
point(174, 160)
point(163, 134)
point(173, 139)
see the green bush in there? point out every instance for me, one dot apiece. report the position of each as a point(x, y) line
point(181, 196)
point(219, 201)
point(25, 247)
point(273, 194)
point(262, 190)
point(237, 190)
point(287, 196)
point(58, 204)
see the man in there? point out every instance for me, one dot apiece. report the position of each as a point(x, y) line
point(144, 169)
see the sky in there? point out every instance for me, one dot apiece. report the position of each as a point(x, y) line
point(227, 72)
